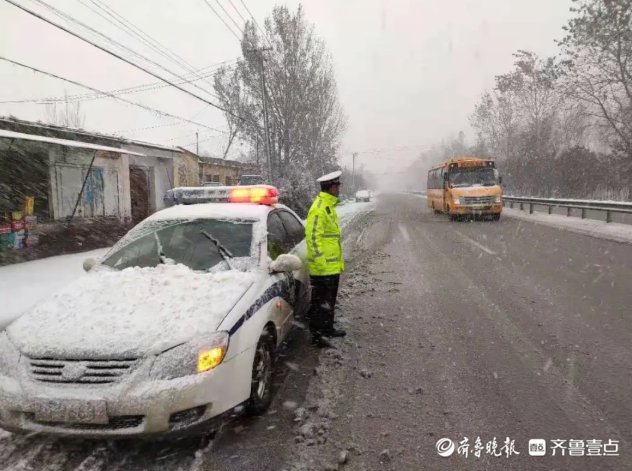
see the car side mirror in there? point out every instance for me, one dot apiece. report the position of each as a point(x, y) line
point(88, 263)
point(286, 263)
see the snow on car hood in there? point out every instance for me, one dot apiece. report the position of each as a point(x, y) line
point(128, 313)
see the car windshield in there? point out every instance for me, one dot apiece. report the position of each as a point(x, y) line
point(185, 242)
point(472, 176)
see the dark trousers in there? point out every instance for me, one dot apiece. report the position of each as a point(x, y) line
point(324, 294)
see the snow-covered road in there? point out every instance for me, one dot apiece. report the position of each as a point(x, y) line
point(507, 329)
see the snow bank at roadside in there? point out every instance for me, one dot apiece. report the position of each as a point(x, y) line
point(609, 231)
point(24, 284)
point(347, 212)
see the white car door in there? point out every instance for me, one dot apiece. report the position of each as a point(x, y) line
point(279, 242)
point(296, 233)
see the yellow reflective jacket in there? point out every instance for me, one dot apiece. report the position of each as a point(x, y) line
point(322, 233)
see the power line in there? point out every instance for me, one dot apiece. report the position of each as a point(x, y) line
point(126, 25)
point(121, 25)
point(197, 142)
point(256, 23)
point(138, 33)
point(230, 17)
point(140, 105)
point(134, 130)
point(121, 91)
point(395, 149)
point(118, 56)
point(222, 20)
point(164, 125)
point(110, 40)
point(94, 96)
point(238, 12)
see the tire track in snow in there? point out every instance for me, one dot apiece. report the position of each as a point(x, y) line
point(24, 460)
point(404, 232)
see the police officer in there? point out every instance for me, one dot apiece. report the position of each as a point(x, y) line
point(324, 259)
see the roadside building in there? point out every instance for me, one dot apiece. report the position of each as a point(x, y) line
point(186, 169)
point(77, 174)
point(58, 177)
point(214, 171)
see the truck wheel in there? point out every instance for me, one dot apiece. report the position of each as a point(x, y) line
point(261, 383)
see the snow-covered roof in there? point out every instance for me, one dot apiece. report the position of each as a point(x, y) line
point(82, 132)
point(214, 211)
point(64, 142)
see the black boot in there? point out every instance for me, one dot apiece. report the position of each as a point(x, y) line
point(321, 341)
point(333, 332)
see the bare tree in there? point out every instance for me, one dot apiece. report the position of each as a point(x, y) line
point(528, 120)
point(305, 118)
point(228, 88)
point(68, 114)
point(598, 51)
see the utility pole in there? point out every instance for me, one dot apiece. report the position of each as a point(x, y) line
point(257, 149)
point(353, 185)
point(264, 98)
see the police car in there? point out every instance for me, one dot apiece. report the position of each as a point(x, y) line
point(176, 325)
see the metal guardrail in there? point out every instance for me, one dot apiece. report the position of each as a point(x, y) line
point(583, 205)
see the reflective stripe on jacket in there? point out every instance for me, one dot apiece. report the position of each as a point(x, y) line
point(322, 233)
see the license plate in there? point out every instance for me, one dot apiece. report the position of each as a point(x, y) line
point(73, 411)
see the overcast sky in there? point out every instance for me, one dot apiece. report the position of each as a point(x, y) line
point(409, 71)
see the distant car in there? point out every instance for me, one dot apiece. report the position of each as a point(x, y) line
point(176, 325)
point(363, 195)
point(251, 180)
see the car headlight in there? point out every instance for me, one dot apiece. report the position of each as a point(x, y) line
point(456, 200)
point(498, 199)
point(196, 356)
point(9, 355)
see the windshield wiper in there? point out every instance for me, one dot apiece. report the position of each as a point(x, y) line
point(161, 255)
point(223, 251)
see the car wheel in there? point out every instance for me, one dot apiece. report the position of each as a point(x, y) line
point(262, 367)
